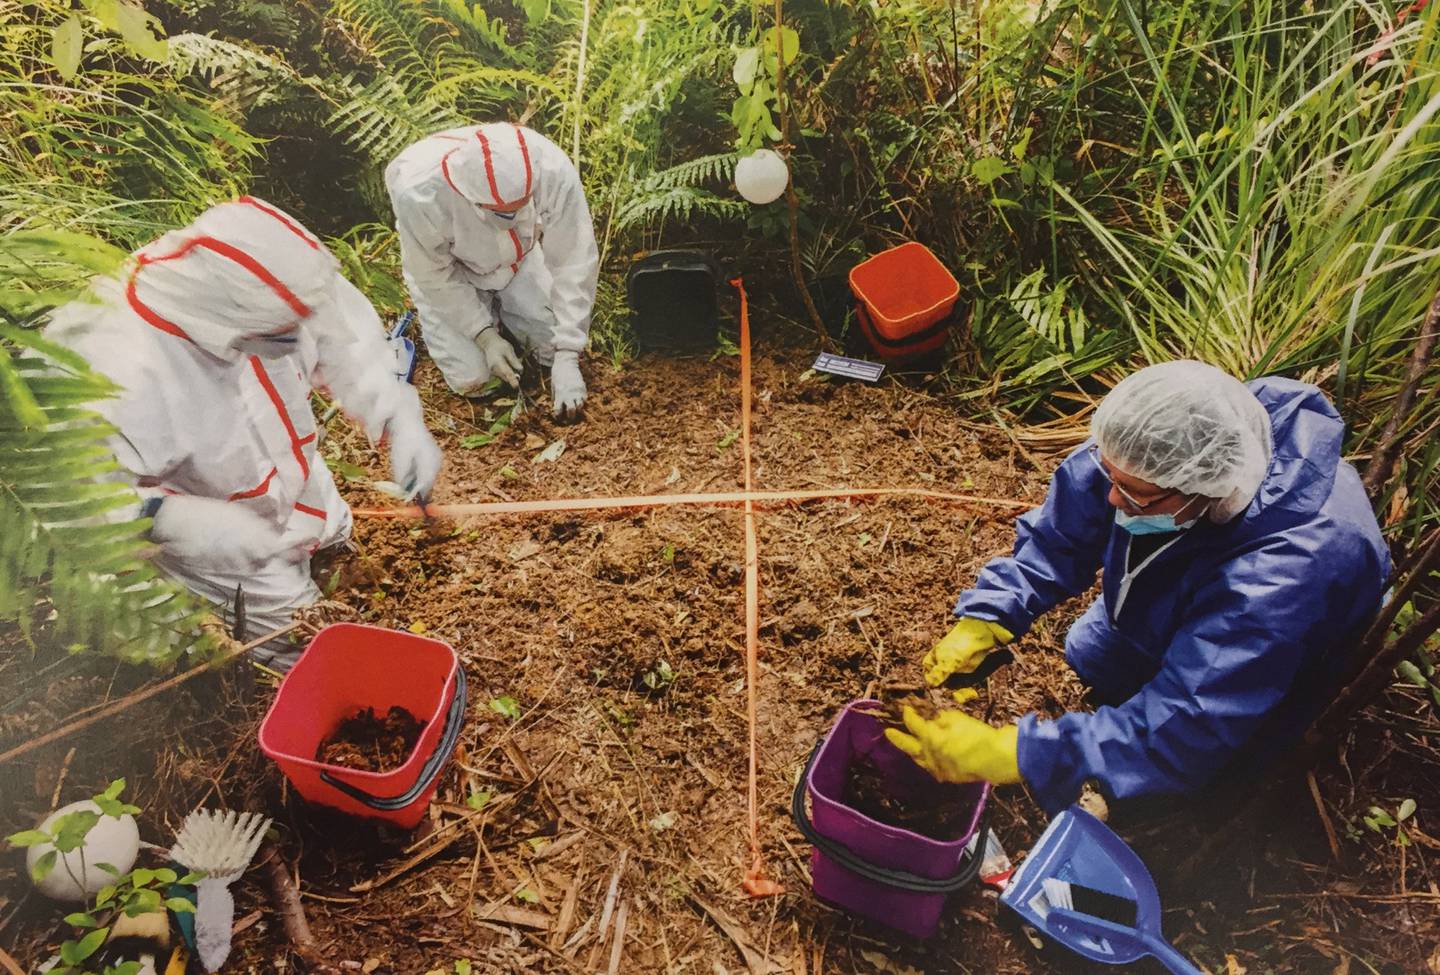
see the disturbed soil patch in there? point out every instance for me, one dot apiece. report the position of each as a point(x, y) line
point(868, 792)
point(370, 742)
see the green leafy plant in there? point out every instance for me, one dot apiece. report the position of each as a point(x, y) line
point(140, 891)
point(756, 73)
point(506, 706)
point(659, 676)
point(678, 194)
point(499, 426)
point(1378, 820)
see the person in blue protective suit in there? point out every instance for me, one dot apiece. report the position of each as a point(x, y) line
point(1241, 561)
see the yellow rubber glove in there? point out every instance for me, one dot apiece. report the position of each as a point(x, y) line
point(955, 747)
point(961, 650)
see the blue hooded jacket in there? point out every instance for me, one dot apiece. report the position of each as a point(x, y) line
point(1219, 645)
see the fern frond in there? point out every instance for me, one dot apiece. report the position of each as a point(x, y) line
point(501, 83)
point(717, 168)
point(680, 202)
point(382, 118)
point(60, 543)
point(400, 39)
point(244, 77)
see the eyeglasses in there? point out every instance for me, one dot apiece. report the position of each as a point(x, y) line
point(1094, 452)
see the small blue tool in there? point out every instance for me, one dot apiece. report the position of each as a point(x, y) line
point(403, 346)
point(1081, 886)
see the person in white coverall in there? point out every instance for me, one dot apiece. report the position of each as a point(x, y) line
point(472, 205)
point(215, 335)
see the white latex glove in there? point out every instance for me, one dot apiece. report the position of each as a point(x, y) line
point(500, 356)
point(221, 535)
point(567, 386)
point(414, 455)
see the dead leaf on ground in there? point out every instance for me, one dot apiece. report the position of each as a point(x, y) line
point(509, 914)
point(550, 454)
point(889, 965)
point(755, 959)
point(521, 551)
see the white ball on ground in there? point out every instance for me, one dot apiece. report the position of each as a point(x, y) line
point(762, 176)
point(76, 876)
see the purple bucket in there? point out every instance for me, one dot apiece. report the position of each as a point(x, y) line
point(884, 873)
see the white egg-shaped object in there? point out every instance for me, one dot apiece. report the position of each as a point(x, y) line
point(761, 176)
point(76, 877)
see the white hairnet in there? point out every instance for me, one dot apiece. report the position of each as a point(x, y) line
point(242, 268)
point(494, 167)
point(1190, 427)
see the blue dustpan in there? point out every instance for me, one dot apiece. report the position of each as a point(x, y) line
point(403, 346)
point(1081, 851)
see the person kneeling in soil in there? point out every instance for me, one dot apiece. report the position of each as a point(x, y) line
point(1241, 562)
point(471, 205)
point(215, 335)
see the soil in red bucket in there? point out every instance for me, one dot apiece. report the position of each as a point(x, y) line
point(371, 743)
point(868, 793)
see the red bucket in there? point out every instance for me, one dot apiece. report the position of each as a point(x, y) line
point(904, 296)
point(349, 667)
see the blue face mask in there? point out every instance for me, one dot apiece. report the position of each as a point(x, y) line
point(1153, 524)
point(1147, 524)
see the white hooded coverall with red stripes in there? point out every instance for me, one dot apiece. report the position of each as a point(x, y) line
point(468, 268)
point(197, 415)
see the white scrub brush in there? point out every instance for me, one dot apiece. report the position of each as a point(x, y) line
point(219, 845)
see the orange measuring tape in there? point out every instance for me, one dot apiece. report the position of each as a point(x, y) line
point(762, 501)
point(756, 882)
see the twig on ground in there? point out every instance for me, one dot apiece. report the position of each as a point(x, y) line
point(610, 895)
point(617, 948)
point(1330, 836)
point(578, 938)
point(567, 912)
point(9, 964)
point(757, 962)
point(292, 914)
point(233, 650)
point(490, 807)
point(560, 846)
point(60, 779)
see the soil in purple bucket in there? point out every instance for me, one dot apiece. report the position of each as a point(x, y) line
point(370, 743)
point(867, 792)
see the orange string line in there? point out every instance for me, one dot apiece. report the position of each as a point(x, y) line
point(761, 500)
point(756, 883)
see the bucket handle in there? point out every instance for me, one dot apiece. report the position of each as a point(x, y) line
point(449, 738)
point(902, 879)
